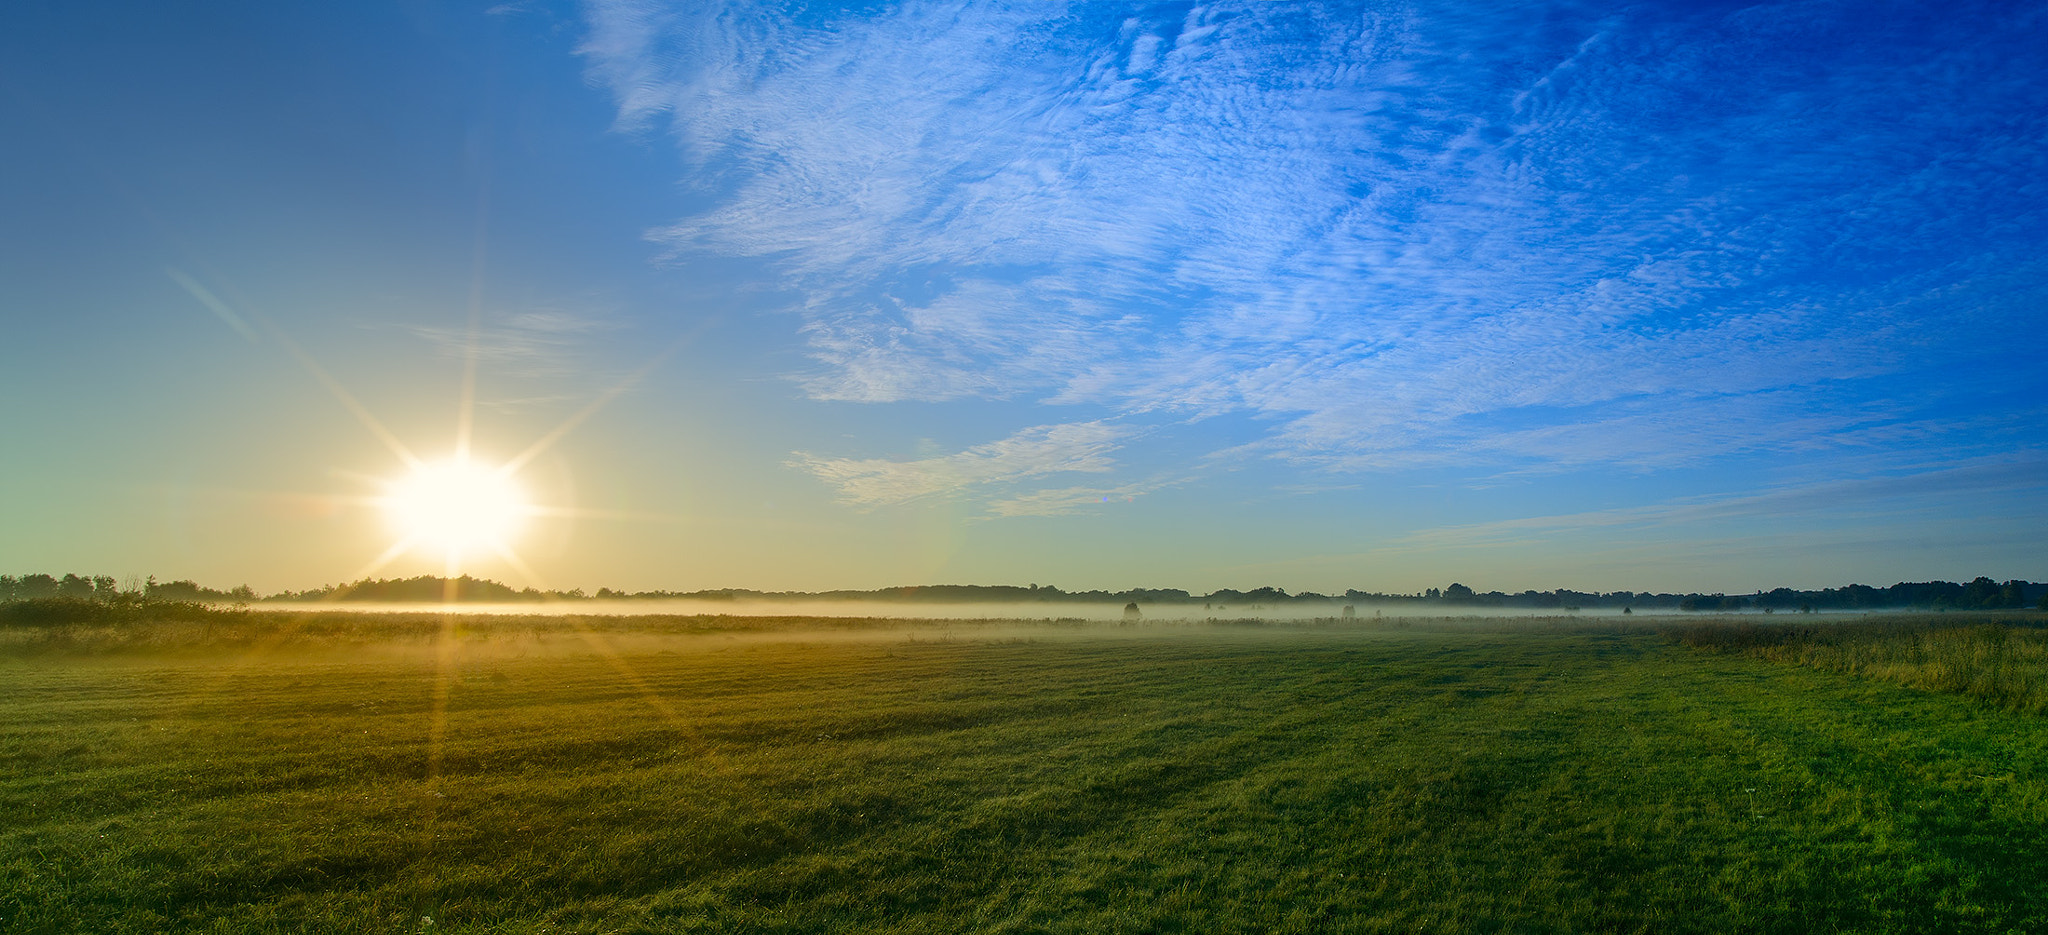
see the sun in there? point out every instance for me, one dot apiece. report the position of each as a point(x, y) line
point(456, 507)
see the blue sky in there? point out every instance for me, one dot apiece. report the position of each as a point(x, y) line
point(1676, 297)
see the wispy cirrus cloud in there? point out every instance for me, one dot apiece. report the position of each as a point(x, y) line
point(1942, 485)
point(1067, 501)
point(539, 343)
point(1535, 235)
point(529, 342)
point(1030, 453)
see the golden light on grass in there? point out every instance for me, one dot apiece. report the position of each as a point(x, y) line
point(456, 507)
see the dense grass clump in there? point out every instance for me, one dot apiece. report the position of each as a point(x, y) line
point(2001, 659)
point(935, 778)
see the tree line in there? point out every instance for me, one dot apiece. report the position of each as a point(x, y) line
point(105, 588)
point(1978, 594)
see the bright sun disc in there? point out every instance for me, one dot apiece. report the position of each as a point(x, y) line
point(456, 506)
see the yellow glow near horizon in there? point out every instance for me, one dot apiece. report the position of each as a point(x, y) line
point(457, 507)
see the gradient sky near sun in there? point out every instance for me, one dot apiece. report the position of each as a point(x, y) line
point(1673, 296)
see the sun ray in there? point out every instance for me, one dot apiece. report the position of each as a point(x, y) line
point(465, 407)
point(616, 660)
point(465, 419)
point(437, 718)
point(376, 565)
point(555, 434)
point(527, 575)
point(465, 415)
point(348, 400)
point(327, 380)
point(220, 309)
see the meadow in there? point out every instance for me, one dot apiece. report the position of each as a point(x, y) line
point(265, 772)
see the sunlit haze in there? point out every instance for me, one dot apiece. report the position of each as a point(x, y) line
point(1666, 296)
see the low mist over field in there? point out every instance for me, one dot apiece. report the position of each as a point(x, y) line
point(1066, 610)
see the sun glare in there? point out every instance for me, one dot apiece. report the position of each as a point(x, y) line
point(457, 507)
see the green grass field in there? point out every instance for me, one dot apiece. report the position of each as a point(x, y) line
point(253, 775)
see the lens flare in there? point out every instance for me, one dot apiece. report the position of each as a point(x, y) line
point(457, 506)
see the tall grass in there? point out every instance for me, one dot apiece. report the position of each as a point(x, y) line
point(2002, 660)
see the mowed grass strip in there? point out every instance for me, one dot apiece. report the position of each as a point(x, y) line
point(1311, 781)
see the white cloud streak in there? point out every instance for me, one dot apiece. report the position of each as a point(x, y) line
point(1033, 452)
point(1069, 501)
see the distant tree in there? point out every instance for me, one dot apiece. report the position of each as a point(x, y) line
point(1712, 602)
point(1863, 595)
point(74, 586)
point(1147, 595)
point(175, 591)
point(1980, 592)
point(1131, 611)
point(103, 588)
point(1536, 598)
point(1458, 592)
